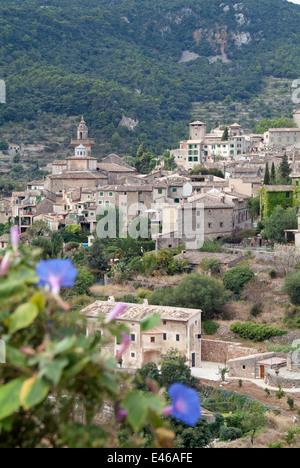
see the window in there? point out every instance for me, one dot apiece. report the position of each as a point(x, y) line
point(101, 194)
point(174, 190)
point(165, 336)
point(152, 339)
point(110, 194)
point(159, 191)
point(132, 355)
point(132, 336)
point(287, 194)
point(177, 337)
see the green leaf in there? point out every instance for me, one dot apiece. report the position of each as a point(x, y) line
point(15, 357)
point(150, 322)
point(78, 367)
point(54, 369)
point(23, 317)
point(137, 408)
point(9, 397)
point(64, 345)
point(33, 392)
point(153, 402)
point(17, 281)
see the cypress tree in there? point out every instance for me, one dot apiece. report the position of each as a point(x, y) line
point(225, 134)
point(273, 174)
point(285, 170)
point(267, 175)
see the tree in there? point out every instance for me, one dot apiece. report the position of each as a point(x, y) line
point(273, 174)
point(95, 256)
point(174, 369)
point(83, 282)
point(279, 221)
point(282, 122)
point(253, 206)
point(254, 420)
point(194, 292)
point(236, 278)
point(285, 170)
point(291, 287)
point(145, 161)
point(225, 135)
point(267, 175)
point(39, 228)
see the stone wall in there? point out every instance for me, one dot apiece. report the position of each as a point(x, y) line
point(223, 351)
point(284, 378)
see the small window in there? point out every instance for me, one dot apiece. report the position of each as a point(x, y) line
point(165, 336)
point(152, 339)
point(159, 191)
point(132, 337)
point(177, 338)
point(132, 355)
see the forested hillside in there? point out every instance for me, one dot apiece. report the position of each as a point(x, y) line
point(109, 59)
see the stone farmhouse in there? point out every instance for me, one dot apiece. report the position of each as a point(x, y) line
point(179, 328)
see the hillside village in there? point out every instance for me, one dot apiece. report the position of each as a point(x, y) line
point(197, 223)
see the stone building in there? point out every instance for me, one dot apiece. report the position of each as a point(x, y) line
point(209, 215)
point(179, 328)
point(5, 211)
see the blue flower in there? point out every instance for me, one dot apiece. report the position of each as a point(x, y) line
point(56, 274)
point(185, 404)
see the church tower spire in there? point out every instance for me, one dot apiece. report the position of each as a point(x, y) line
point(83, 138)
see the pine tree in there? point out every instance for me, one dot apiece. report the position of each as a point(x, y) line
point(267, 175)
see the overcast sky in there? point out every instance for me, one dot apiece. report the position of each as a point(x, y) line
point(295, 1)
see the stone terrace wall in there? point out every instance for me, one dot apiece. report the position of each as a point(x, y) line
point(223, 351)
point(285, 379)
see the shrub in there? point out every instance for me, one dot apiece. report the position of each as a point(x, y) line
point(255, 332)
point(149, 370)
point(211, 264)
point(210, 327)
point(291, 287)
point(230, 433)
point(291, 403)
point(273, 274)
point(255, 311)
point(236, 278)
point(194, 292)
point(83, 282)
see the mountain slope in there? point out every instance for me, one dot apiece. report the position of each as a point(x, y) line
point(109, 59)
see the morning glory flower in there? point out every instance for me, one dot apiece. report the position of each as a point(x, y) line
point(56, 274)
point(118, 310)
point(185, 404)
point(5, 264)
point(15, 237)
point(124, 345)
